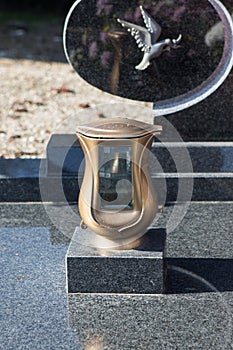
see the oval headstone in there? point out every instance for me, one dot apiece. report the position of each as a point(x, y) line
point(103, 52)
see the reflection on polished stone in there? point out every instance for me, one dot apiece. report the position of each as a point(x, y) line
point(105, 54)
point(195, 314)
point(150, 322)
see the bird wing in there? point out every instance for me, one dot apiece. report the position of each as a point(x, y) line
point(140, 34)
point(152, 26)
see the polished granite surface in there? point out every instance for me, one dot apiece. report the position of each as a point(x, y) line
point(194, 313)
point(91, 269)
point(208, 165)
point(104, 54)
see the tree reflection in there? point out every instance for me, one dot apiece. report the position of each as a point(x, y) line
point(107, 60)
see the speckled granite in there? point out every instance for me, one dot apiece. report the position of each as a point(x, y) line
point(98, 61)
point(32, 284)
point(211, 120)
point(108, 59)
point(64, 152)
point(167, 322)
point(140, 270)
point(194, 313)
point(61, 174)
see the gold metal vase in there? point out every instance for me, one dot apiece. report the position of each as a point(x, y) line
point(117, 199)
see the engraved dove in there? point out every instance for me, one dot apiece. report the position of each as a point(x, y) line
point(147, 39)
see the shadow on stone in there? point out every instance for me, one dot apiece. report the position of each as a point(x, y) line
point(190, 275)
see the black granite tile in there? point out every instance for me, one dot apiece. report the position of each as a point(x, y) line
point(64, 154)
point(199, 275)
point(199, 230)
point(93, 270)
point(19, 168)
point(60, 176)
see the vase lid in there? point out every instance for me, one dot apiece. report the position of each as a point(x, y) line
point(118, 128)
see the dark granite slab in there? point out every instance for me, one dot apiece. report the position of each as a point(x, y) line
point(19, 168)
point(194, 313)
point(152, 322)
point(64, 154)
point(33, 307)
point(209, 165)
point(56, 189)
point(140, 270)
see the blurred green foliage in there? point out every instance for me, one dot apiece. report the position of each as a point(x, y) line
point(28, 17)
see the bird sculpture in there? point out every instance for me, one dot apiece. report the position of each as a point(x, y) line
point(147, 39)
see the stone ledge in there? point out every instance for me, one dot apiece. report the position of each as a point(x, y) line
point(20, 183)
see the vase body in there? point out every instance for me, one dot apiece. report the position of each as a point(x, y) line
point(117, 199)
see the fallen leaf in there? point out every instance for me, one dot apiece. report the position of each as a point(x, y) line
point(63, 90)
point(18, 154)
point(35, 103)
point(15, 137)
point(101, 115)
point(21, 110)
point(29, 153)
point(84, 105)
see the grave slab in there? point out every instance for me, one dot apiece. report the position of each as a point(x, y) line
point(194, 312)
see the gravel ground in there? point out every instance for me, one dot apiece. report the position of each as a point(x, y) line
point(41, 98)
point(39, 95)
